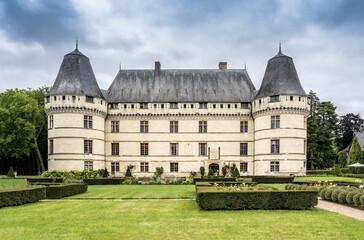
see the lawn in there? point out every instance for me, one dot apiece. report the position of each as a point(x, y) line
point(12, 183)
point(168, 220)
point(322, 179)
point(138, 191)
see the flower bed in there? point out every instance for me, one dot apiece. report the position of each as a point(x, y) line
point(14, 197)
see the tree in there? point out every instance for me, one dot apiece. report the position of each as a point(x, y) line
point(342, 159)
point(349, 124)
point(128, 172)
point(11, 173)
point(337, 170)
point(158, 171)
point(236, 173)
point(105, 174)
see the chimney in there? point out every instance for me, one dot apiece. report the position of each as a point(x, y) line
point(157, 69)
point(222, 65)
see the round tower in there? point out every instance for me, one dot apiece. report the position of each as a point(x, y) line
point(280, 111)
point(76, 110)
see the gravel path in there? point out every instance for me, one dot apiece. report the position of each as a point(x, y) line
point(342, 209)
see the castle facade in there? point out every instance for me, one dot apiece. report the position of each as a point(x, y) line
point(178, 119)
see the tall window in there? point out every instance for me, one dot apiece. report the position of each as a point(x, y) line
point(275, 122)
point(202, 126)
point(244, 126)
point(144, 149)
point(51, 147)
point(144, 167)
point(173, 105)
point(115, 167)
point(243, 167)
point(274, 146)
point(143, 126)
point(174, 149)
point(87, 146)
point(173, 126)
point(203, 149)
point(87, 121)
point(88, 165)
point(115, 149)
point(274, 166)
point(114, 126)
point(274, 98)
point(243, 149)
point(174, 167)
point(89, 99)
point(51, 121)
point(203, 105)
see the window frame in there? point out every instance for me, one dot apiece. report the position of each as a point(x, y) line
point(244, 167)
point(275, 122)
point(244, 126)
point(87, 146)
point(202, 126)
point(173, 126)
point(115, 149)
point(115, 167)
point(88, 165)
point(202, 149)
point(173, 167)
point(144, 149)
point(274, 166)
point(144, 126)
point(115, 126)
point(144, 166)
point(275, 146)
point(174, 149)
point(243, 149)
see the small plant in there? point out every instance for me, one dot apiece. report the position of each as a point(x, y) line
point(202, 171)
point(337, 170)
point(236, 173)
point(224, 170)
point(11, 173)
point(193, 174)
point(128, 172)
point(158, 182)
point(211, 172)
point(105, 173)
point(158, 171)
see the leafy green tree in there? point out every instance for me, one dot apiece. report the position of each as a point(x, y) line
point(337, 170)
point(356, 155)
point(349, 124)
point(342, 158)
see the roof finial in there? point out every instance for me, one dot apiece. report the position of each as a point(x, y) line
point(76, 43)
point(120, 66)
point(245, 66)
point(280, 47)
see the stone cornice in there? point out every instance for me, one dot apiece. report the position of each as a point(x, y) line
point(281, 110)
point(81, 110)
point(174, 116)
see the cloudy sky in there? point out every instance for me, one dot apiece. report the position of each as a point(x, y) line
point(325, 39)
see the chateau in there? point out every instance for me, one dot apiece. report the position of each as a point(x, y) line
point(178, 119)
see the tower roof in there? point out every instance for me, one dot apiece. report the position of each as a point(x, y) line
point(280, 78)
point(76, 77)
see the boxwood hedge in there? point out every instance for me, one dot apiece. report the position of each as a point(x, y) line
point(60, 191)
point(103, 181)
point(45, 180)
point(266, 199)
point(16, 197)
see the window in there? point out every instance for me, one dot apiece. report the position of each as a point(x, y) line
point(63, 98)
point(174, 167)
point(274, 146)
point(51, 121)
point(184, 105)
point(115, 149)
point(144, 149)
point(115, 167)
point(114, 126)
point(55, 98)
point(191, 105)
point(48, 98)
point(87, 146)
point(243, 167)
point(89, 99)
point(173, 105)
point(73, 98)
point(174, 149)
point(291, 98)
point(114, 106)
point(243, 126)
point(162, 105)
point(203, 105)
point(274, 166)
point(229, 105)
point(125, 106)
point(299, 99)
point(274, 98)
point(202, 126)
point(88, 165)
point(144, 105)
point(173, 126)
point(143, 126)
point(213, 105)
point(243, 149)
point(51, 147)
point(275, 122)
point(87, 121)
point(144, 167)
point(221, 105)
point(132, 106)
point(236, 105)
point(203, 149)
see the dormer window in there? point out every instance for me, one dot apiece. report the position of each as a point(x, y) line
point(203, 105)
point(291, 98)
point(63, 98)
point(89, 99)
point(143, 105)
point(74, 98)
point(245, 105)
point(274, 98)
point(55, 98)
point(173, 105)
point(114, 106)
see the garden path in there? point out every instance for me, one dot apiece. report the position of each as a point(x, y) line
point(342, 209)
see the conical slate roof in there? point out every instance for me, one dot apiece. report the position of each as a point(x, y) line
point(76, 77)
point(182, 85)
point(280, 78)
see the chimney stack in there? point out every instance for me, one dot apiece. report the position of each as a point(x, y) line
point(222, 65)
point(157, 69)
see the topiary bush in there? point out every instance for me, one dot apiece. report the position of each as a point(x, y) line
point(128, 172)
point(322, 193)
point(350, 196)
point(342, 197)
point(362, 199)
point(211, 172)
point(335, 195)
point(11, 173)
point(337, 170)
point(236, 173)
point(202, 171)
point(105, 174)
point(356, 198)
point(328, 194)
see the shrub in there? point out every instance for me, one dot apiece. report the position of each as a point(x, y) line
point(350, 196)
point(193, 174)
point(158, 182)
point(103, 181)
point(362, 199)
point(16, 197)
point(60, 191)
point(322, 193)
point(158, 171)
point(328, 194)
point(151, 182)
point(211, 172)
point(127, 182)
point(319, 172)
point(342, 197)
point(236, 173)
point(11, 173)
point(105, 174)
point(202, 171)
point(45, 180)
point(224, 170)
point(335, 194)
point(272, 179)
point(356, 198)
point(337, 170)
point(128, 172)
point(266, 199)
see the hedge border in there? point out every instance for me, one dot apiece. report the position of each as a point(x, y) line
point(22, 196)
point(45, 180)
point(103, 181)
point(60, 191)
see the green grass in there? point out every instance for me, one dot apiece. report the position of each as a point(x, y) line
point(168, 220)
point(12, 183)
point(322, 179)
point(138, 191)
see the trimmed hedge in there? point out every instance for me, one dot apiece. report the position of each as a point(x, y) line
point(60, 191)
point(333, 182)
point(319, 172)
point(272, 179)
point(103, 181)
point(328, 194)
point(216, 200)
point(44, 180)
point(335, 195)
point(16, 197)
point(342, 197)
point(356, 198)
point(214, 179)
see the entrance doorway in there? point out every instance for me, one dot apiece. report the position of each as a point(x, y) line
point(215, 167)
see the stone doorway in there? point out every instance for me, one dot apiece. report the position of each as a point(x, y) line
point(215, 167)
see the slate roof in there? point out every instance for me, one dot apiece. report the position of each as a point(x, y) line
point(280, 78)
point(360, 137)
point(182, 85)
point(76, 77)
